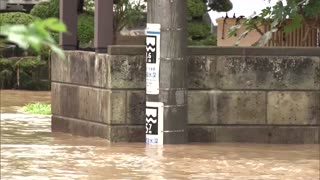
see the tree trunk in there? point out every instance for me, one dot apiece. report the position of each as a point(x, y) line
point(172, 16)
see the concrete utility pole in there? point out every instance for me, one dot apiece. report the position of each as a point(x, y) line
point(172, 17)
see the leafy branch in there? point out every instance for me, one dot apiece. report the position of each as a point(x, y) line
point(287, 17)
point(35, 35)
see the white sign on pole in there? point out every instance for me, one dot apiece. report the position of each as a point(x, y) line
point(154, 123)
point(152, 58)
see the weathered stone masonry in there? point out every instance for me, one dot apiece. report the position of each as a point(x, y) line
point(263, 95)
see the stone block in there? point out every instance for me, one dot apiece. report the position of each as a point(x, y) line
point(83, 68)
point(202, 72)
point(201, 134)
point(119, 134)
point(99, 71)
point(299, 108)
point(55, 98)
point(252, 134)
point(94, 104)
point(60, 69)
point(136, 107)
point(118, 107)
point(59, 124)
point(202, 108)
point(69, 101)
point(294, 135)
point(79, 127)
point(104, 106)
point(127, 72)
point(268, 72)
point(88, 104)
point(79, 67)
point(267, 134)
point(137, 133)
point(241, 107)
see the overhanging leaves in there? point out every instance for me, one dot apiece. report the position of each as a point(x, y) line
point(35, 35)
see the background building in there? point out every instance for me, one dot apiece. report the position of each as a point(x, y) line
point(18, 5)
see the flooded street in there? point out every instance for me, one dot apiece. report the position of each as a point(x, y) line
point(30, 151)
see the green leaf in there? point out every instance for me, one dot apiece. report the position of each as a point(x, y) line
point(35, 42)
point(58, 51)
point(55, 25)
point(294, 24)
point(35, 35)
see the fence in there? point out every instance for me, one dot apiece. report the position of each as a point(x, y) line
point(301, 37)
point(297, 38)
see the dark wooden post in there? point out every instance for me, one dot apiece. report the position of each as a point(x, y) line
point(172, 16)
point(69, 15)
point(103, 25)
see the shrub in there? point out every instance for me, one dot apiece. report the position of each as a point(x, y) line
point(209, 41)
point(46, 9)
point(85, 28)
point(6, 73)
point(198, 30)
point(53, 10)
point(31, 71)
point(196, 8)
point(41, 10)
point(16, 18)
point(38, 108)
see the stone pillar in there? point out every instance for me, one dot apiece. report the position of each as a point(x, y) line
point(103, 25)
point(172, 17)
point(69, 15)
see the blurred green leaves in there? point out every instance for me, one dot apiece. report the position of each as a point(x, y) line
point(35, 35)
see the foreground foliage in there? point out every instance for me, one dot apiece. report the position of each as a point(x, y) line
point(26, 73)
point(283, 16)
point(38, 108)
point(34, 35)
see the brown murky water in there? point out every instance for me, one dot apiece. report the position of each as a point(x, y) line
point(30, 151)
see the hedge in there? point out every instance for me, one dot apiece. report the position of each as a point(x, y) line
point(16, 18)
point(32, 71)
point(85, 28)
point(41, 10)
point(46, 9)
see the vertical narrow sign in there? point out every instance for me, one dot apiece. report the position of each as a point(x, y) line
point(152, 58)
point(154, 123)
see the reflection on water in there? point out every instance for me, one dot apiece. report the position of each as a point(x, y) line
point(30, 151)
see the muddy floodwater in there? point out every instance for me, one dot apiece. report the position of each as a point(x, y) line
point(29, 150)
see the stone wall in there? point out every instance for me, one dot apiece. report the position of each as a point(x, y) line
point(262, 95)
